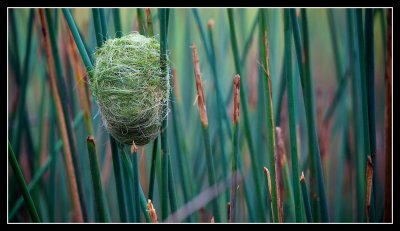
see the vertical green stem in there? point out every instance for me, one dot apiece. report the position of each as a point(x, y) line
point(153, 168)
point(164, 134)
point(210, 168)
point(357, 116)
point(104, 31)
point(117, 22)
point(149, 23)
point(142, 22)
point(292, 115)
point(306, 201)
point(303, 61)
point(269, 114)
point(370, 82)
point(220, 104)
point(97, 26)
point(179, 155)
point(136, 183)
point(243, 100)
point(101, 207)
point(118, 180)
point(65, 108)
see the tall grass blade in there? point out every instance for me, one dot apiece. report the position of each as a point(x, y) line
point(306, 201)
point(235, 147)
point(100, 199)
point(246, 118)
point(388, 120)
point(21, 181)
point(370, 82)
point(201, 103)
point(302, 52)
point(70, 170)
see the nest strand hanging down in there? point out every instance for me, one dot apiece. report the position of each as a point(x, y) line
point(130, 88)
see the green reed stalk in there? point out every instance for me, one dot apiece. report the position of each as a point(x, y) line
point(164, 134)
point(136, 184)
point(78, 40)
point(340, 91)
point(246, 118)
point(117, 22)
point(388, 121)
point(97, 26)
point(220, 104)
point(306, 201)
point(282, 87)
point(370, 84)
point(103, 21)
point(66, 107)
point(357, 117)
point(153, 169)
point(32, 185)
point(249, 40)
point(42, 170)
point(171, 188)
point(335, 47)
point(142, 199)
point(23, 81)
point(201, 103)
point(142, 22)
point(292, 115)
point(56, 82)
point(271, 147)
point(178, 145)
point(100, 199)
point(21, 181)
point(235, 148)
point(302, 52)
point(118, 180)
point(128, 183)
point(149, 23)
point(210, 52)
point(360, 43)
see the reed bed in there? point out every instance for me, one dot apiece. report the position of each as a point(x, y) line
point(266, 115)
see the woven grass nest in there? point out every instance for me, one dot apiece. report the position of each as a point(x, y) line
point(130, 88)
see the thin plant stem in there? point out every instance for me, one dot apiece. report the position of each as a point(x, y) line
point(388, 120)
point(164, 135)
point(292, 115)
point(149, 23)
point(118, 179)
point(117, 22)
point(306, 201)
point(303, 61)
point(73, 188)
point(370, 84)
point(235, 146)
point(246, 118)
point(97, 26)
point(271, 146)
point(104, 31)
point(153, 168)
point(201, 103)
point(21, 181)
point(142, 22)
point(100, 199)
